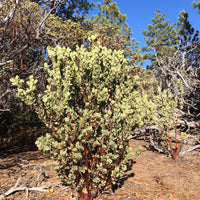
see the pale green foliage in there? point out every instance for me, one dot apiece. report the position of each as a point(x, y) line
point(196, 5)
point(158, 107)
point(92, 102)
point(165, 114)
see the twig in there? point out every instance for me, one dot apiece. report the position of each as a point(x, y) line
point(55, 6)
point(191, 149)
point(155, 146)
point(6, 62)
point(28, 187)
point(4, 110)
point(23, 188)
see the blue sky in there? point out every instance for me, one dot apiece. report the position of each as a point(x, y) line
point(140, 12)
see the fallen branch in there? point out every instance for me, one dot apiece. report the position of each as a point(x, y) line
point(28, 187)
point(155, 146)
point(191, 149)
point(23, 188)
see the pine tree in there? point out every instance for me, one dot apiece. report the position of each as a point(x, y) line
point(185, 30)
point(161, 40)
point(76, 10)
point(189, 50)
point(174, 54)
point(188, 39)
point(196, 5)
point(113, 28)
point(111, 16)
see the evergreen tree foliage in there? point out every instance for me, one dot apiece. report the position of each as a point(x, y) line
point(161, 40)
point(196, 5)
point(111, 16)
point(113, 28)
point(76, 10)
point(189, 42)
point(174, 54)
point(190, 51)
point(185, 29)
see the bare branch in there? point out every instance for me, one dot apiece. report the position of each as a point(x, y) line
point(4, 110)
point(191, 149)
point(27, 187)
point(152, 139)
point(23, 188)
point(42, 22)
point(6, 62)
point(184, 81)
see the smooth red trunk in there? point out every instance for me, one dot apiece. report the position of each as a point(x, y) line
point(84, 196)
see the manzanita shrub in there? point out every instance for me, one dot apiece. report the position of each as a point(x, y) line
point(166, 120)
point(92, 104)
point(162, 119)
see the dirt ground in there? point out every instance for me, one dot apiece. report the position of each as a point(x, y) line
point(153, 176)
